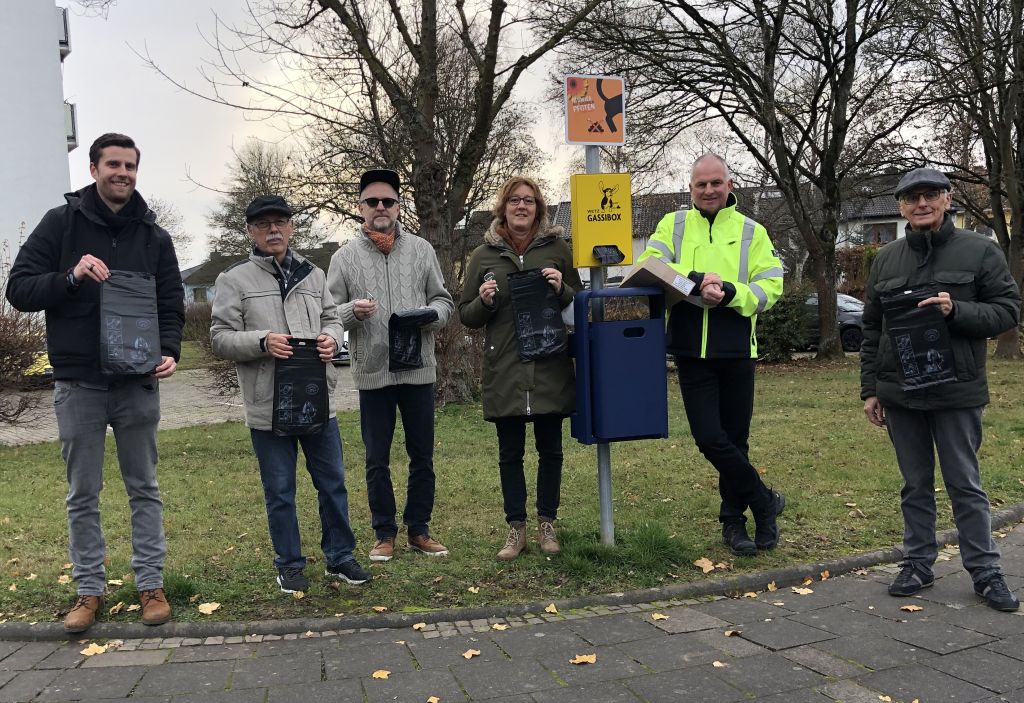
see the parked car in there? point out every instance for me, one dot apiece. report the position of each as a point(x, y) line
point(40, 373)
point(341, 357)
point(850, 328)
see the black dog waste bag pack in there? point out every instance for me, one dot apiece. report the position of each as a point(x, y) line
point(404, 338)
point(129, 324)
point(919, 338)
point(300, 390)
point(537, 314)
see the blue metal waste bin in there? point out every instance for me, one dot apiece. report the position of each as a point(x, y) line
point(621, 387)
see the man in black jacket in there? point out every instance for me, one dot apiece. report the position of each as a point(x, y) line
point(964, 275)
point(60, 268)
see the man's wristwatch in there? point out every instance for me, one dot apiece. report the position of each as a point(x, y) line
point(73, 283)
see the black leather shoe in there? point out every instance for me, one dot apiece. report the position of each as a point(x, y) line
point(734, 535)
point(766, 534)
point(997, 595)
point(910, 581)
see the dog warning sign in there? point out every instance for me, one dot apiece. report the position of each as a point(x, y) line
point(594, 110)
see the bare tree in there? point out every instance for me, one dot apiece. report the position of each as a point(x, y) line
point(810, 88)
point(169, 217)
point(22, 336)
point(975, 54)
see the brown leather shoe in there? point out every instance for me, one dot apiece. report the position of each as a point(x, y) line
point(546, 537)
point(428, 545)
point(82, 614)
point(155, 608)
point(515, 543)
point(383, 550)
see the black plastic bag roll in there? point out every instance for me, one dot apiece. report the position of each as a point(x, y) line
point(919, 338)
point(537, 314)
point(129, 324)
point(300, 391)
point(404, 338)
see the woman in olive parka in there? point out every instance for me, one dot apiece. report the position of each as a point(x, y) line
point(517, 392)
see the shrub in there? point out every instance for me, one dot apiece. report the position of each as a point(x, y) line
point(197, 322)
point(22, 336)
point(781, 330)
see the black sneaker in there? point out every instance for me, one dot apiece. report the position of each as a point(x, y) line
point(292, 580)
point(349, 572)
point(766, 534)
point(997, 595)
point(910, 581)
point(734, 534)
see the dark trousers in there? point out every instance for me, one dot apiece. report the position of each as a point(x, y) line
point(377, 420)
point(719, 398)
point(547, 435)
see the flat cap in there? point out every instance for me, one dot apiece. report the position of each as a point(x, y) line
point(922, 178)
point(263, 204)
point(379, 175)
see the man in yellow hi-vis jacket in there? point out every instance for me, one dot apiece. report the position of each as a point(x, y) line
point(737, 275)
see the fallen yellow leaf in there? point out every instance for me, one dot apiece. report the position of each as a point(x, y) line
point(380, 608)
point(117, 608)
point(470, 653)
point(67, 566)
point(299, 595)
point(584, 659)
point(433, 699)
point(499, 627)
point(115, 582)
point(659, 616)
point(63, 579)
point(419, 626)
point(381, 674)
point(473, 589)
point(438, 579)
point(133, 607)
point(551, 609)
point(825, 575)
point(750, 594)
point(778, 602)
point(802, 591)
point(808, 581)
point(887, 699)
point(705, 565)
point(93, 649)
point(717, 664)
point(230, 549)
point(13, 562)
point(733, 633)
point(13, 587)
point(195, 598)
point(722, 565)
point(772, 587)
point(912, 608)
point(30, 577)
point(399, 641)
point(208, 608)
point(857, 512)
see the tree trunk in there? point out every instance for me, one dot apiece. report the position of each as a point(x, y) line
point(1008, 343)
point(825, 281)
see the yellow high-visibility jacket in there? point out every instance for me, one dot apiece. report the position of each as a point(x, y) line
point(737, 249)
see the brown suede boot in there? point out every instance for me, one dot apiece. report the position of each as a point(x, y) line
point(155, 608)
point(82, 614)
point(515, 543)
point(546, 537)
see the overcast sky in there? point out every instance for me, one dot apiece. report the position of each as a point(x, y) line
point(180, 135)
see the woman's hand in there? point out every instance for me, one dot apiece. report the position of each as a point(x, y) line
point(554, 277)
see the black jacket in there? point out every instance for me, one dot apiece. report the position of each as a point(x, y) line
point(986, 302)
point(38, 279)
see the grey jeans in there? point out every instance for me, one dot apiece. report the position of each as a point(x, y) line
point(956, 434)
point(132, 408)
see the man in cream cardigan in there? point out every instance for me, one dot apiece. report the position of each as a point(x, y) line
point(381, 280)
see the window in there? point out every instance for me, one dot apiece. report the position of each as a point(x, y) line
point(199, 295)
point(880, 233)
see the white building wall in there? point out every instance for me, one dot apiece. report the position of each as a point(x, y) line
point(32, 124)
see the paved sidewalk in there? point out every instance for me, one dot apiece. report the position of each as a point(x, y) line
point(846, 640)
point(185, 401)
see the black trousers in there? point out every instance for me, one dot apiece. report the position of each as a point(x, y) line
point(377, 421)
point(719, 398)
point(547, 435)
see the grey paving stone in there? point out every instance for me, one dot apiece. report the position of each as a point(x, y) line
point(766, 674)
point(783, 634)
point(185, 678)
point(249, 695)
point(25, 685)
point(538, 641)
point(354, 662)
point(605, 693)
point(612, 629)
point(307, 647)
point(922, 682)
point(610, 665)
point(507, 678)
point(981, 618)
point(687, 620)
point(326, 692)
point(1014, 697)
point(66, 657)
point(133, 699)
point(1011, 647)
point(76, 684)
point(982, 667)
point(849, 692)
point(822, 662)
point(732, 646)
point(281, 670)
point(802, 695)
point(6, 676)
point(212, 652)
point(150, 657)
point(826, 593)
point(839, 620)
point(742, 610)
point(414, 687)
point(8, 648)
point(667, 653)
point(28, 655)
point(935, 635)
point(690, 685)
point(442, 653)
point(874, 651)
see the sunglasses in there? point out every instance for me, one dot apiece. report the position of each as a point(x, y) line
point(374, 202)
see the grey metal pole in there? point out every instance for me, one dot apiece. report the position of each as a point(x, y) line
point(604, 453)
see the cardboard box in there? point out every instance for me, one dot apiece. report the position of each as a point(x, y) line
point(655, 272)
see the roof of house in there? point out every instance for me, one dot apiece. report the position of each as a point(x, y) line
point(206, 273)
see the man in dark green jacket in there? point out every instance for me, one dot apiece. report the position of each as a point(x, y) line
point(978, 299)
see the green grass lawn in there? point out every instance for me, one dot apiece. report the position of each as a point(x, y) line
point(192, 357)
point(809, 437)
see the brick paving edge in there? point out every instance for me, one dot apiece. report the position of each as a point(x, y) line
point(757, 581)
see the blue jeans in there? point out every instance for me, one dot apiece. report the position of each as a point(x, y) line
point(278, 456)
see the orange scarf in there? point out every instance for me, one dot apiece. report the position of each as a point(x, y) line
point(519, 244)
point(384, 241)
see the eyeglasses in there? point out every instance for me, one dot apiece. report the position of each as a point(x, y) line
point(528, 200)
point(930, 196)
point(374, 202)
point(265, 225)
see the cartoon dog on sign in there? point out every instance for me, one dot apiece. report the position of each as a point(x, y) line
point(607, 202)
